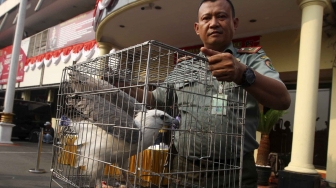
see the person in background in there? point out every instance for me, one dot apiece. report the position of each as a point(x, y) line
point(48, 133)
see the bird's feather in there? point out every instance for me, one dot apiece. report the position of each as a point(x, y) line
point(99, 148)
point(81, 83)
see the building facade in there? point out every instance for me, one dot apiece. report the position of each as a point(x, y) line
point(299, 36)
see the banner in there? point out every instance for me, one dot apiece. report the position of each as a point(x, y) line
point(74, 31)
point(5, 61)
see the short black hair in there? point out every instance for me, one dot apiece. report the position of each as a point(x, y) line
point(229, 1)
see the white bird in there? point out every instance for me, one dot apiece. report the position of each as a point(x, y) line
point(111, 126)
point(99, 147)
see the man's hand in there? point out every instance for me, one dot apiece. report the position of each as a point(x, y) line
point(224, 66)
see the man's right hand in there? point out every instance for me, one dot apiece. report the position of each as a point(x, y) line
point(224, 66)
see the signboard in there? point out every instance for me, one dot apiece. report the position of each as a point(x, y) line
point(74, 31)
point(5, 61)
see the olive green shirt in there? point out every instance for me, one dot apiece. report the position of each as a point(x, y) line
point(212, 112)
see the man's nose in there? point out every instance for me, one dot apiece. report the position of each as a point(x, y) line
point(214, 22)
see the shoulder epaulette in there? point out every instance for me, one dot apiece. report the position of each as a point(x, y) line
point(249, 50)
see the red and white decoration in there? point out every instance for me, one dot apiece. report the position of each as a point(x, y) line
point(66, 54)
point(76, 52)
point(26, 67)
point(39, 61)
point(47, 59)
point(56, 57)
point(32, 64)
point(89, 49)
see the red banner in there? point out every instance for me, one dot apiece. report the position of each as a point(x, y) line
point(5, 61)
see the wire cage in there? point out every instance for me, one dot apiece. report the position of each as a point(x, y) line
point(137, 118)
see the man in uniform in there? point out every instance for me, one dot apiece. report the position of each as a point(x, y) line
point(247, 67)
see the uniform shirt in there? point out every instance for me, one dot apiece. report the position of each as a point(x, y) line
point(207, 131)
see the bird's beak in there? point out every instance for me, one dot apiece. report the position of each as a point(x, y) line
point(175, 124)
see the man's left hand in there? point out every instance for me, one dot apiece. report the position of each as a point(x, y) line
point(224, 66)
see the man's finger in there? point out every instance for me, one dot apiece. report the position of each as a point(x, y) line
point(184, 58)
point(208, 52)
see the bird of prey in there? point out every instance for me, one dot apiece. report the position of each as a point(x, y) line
point(110, 127)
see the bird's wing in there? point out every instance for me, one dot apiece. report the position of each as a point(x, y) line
point(109, 108)
point(106, 115)
point(84, 83)
point(96, 145)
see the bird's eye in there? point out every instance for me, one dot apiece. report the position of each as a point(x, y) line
point(162, 117)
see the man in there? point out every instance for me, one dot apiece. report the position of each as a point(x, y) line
point(252, 70)
point(48, 133)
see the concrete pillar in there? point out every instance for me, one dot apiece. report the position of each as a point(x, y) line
point(51, 95)
point(6, 120)
point(104, 48)
point(307, 87)
point(331, 160)
point(301, 172)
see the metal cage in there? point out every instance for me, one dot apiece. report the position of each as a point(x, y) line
point(109, 130)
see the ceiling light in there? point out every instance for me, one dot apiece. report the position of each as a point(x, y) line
point(149, 7)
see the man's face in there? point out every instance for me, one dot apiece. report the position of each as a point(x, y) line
point(216, 26)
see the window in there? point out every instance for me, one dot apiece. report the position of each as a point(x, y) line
point(38, 43)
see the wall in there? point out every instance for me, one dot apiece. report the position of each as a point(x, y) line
point(31, 77)
point(53, 73)
point(283, 49)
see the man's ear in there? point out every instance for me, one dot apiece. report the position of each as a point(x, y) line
point(196, 28)
point(235, 23)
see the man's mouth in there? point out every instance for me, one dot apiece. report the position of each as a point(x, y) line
point(215, 33)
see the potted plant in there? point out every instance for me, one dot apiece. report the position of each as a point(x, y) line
point(266, 123)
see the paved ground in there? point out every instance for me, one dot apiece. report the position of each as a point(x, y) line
point(17, 159)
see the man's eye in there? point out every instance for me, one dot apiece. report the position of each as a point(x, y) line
point(221, 16)
point(206, 18)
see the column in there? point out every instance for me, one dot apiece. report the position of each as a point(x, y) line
point(104, 48)
point(300, 171)
point(331, 160)
point(6, 120)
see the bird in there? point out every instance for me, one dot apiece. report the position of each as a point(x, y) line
point(111, 126)
point(81, 83)
point(97, 144)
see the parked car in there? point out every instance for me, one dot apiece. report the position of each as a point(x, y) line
point(29, 117)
